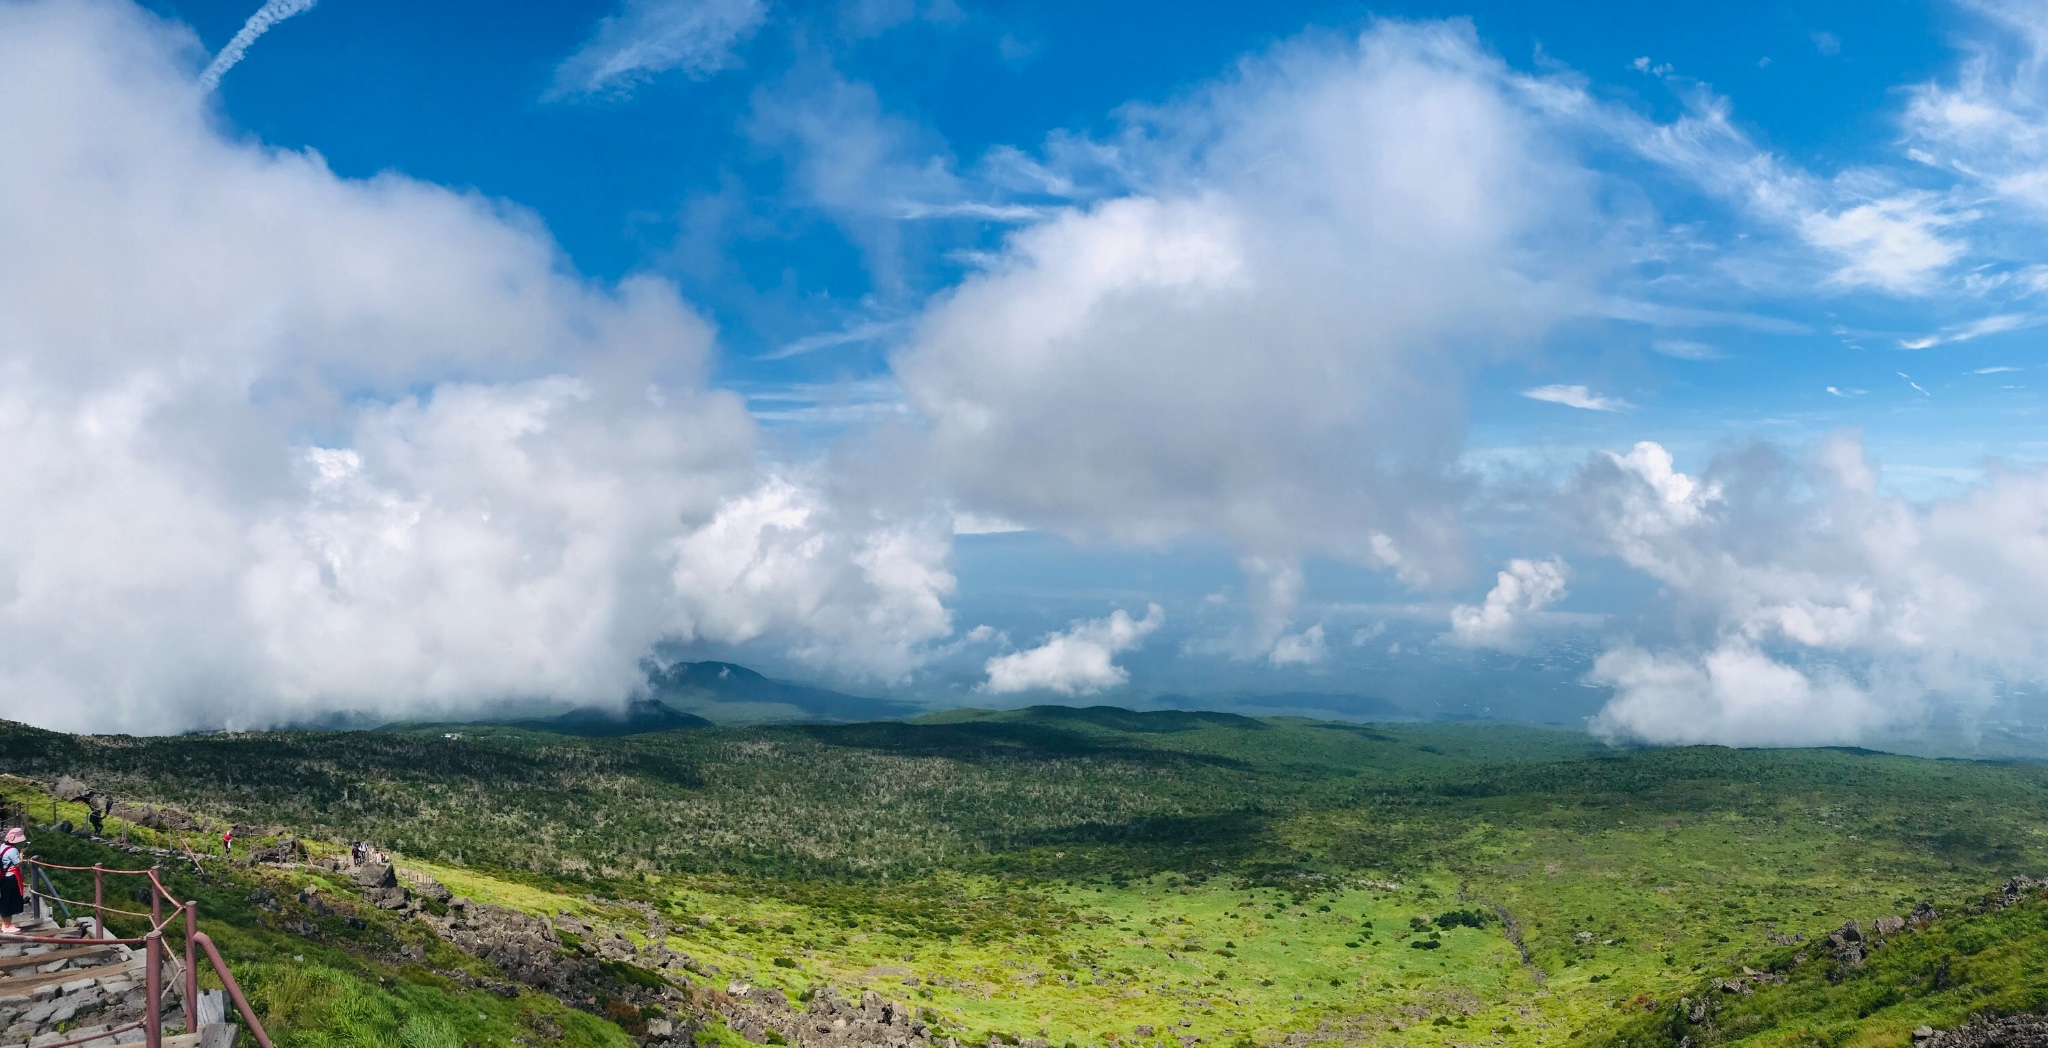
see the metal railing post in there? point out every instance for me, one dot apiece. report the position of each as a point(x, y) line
point(153, 990)
point(154, 959)
point(191, 966)
point(234, 992)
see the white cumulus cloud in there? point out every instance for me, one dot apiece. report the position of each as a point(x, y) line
point(1522, 589)
point(1077, 661)
point(281, 442)
point(1271, 352)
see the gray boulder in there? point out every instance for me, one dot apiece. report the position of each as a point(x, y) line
point(2013, 1031)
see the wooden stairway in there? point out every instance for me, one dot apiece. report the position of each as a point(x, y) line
point(51, 992)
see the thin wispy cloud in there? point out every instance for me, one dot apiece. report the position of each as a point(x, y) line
point(1997, 370)
point(258, 24)
point(1685, 349)
point(913, 210)
point(1840, 392)
point(863, 334)
point(1915, 385)
point(834, 404)
point(1577, 397)
point(649, 37)
point(1866, 232)
point(1992, 325)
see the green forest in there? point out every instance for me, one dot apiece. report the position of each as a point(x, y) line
point(1095, 876)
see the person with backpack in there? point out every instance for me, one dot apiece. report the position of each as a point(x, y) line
point(227, 842)
point(13, 879)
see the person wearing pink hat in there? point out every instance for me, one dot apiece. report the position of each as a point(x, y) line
point(13, 885)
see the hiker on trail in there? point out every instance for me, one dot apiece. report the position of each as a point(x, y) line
point(97, 818)
point(227, 842)
point(13, 879)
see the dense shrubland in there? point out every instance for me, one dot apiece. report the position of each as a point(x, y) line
point(1040, 868)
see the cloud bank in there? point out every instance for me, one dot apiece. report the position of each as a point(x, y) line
point(1810, 607)
point(282, 442)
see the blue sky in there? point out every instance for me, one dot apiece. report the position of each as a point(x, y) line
point(1668, 368)
point(457, 95)
point(676, 174)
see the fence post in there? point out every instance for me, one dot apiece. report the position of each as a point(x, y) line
point(156, 898)
point(99, 902)
point(153, 990)
point(191, 966)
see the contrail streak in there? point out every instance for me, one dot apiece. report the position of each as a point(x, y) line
point(271, 13)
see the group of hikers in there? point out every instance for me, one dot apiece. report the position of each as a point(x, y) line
point(14, 888)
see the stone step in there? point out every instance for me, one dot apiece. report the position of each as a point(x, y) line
point(170, 1040)
point(106, 979)
point(61, 953)
point(27, 985)
point(49, 929)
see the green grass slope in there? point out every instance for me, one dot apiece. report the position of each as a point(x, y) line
point(1978, 962)
point(346, 976)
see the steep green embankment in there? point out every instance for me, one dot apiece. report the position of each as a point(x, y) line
point(341, 975)
point(1979, 960)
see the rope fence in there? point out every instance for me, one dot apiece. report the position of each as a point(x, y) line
point(195, 942)
point(86, 1038)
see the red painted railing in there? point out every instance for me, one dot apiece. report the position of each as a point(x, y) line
point(152, 942)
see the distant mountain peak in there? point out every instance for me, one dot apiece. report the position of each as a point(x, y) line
point(636, 717)
point(728, 693)
point(700, 673)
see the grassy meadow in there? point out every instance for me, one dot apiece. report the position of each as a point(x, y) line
point(1095, 876)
